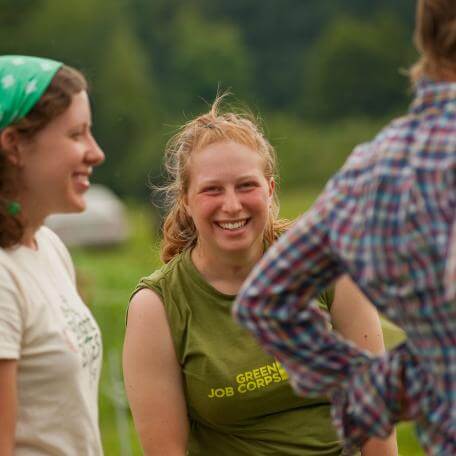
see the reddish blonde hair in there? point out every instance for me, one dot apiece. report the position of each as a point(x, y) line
point(179, 232)
point(435, 39)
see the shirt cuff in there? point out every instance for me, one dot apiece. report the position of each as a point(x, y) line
point(377, 395)
point(9, 351)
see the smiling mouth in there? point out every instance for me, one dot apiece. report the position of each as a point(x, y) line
point(232, 226)
point(82, 179)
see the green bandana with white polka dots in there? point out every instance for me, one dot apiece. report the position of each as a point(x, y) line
point(23, 80)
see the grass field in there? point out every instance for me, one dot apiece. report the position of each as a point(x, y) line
point(107, 278)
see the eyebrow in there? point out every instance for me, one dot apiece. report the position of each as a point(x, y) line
point(240, 178)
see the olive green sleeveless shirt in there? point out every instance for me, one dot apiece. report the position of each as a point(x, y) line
point(238, 399)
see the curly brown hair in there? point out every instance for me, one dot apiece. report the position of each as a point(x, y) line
point(179, 232)
point(55, 100)
point(435, 39)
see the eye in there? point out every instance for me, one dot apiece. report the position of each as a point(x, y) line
point(248, 185)
point(212, 189)
point(76, 134)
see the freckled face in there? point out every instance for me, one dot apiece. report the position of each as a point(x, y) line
point(228, 198)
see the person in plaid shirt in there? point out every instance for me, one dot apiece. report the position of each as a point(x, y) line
point(385, 219)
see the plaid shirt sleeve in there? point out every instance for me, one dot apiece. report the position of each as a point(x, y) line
point(276, 305)
point(386, 218)
point(450, 278)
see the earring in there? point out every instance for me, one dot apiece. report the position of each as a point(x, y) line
point(13, 208)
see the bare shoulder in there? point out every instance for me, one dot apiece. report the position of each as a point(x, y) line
point(147, 326)
point(145, 305)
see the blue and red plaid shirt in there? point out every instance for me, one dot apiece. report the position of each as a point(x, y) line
point(385, 219)
point(451, 267)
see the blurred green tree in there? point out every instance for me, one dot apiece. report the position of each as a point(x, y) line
point(130, 118)
point(354, 69)
point(278, 34)
point(98, 37)
point(194, 54)
point(206, 55)
point(151, 61)
point(309, 154)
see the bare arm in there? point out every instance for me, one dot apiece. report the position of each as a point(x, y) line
point(153, 378)
point(356, 319)
point(8, 405)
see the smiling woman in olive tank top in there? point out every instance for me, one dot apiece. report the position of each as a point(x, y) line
point(197, 383)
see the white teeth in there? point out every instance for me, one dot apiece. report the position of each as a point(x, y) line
point(233, 225)
point(82, 178)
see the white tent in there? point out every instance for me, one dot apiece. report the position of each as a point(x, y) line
point(103, 222)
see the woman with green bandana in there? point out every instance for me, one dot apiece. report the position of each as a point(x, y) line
point(50, 345)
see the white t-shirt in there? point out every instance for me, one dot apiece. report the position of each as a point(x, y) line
point(45, 326)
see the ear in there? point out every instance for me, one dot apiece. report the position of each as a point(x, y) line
point(271, 187)
point(10, 145)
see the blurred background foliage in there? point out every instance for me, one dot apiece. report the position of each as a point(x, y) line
point(323, 74)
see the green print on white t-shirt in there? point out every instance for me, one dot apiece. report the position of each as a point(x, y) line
point(86, 336)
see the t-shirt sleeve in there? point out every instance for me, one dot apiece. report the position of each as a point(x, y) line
point(152, 283)
point(176, 310)
point(11, 318)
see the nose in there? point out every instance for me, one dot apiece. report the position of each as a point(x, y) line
point(95, 155)
point(231, 202)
